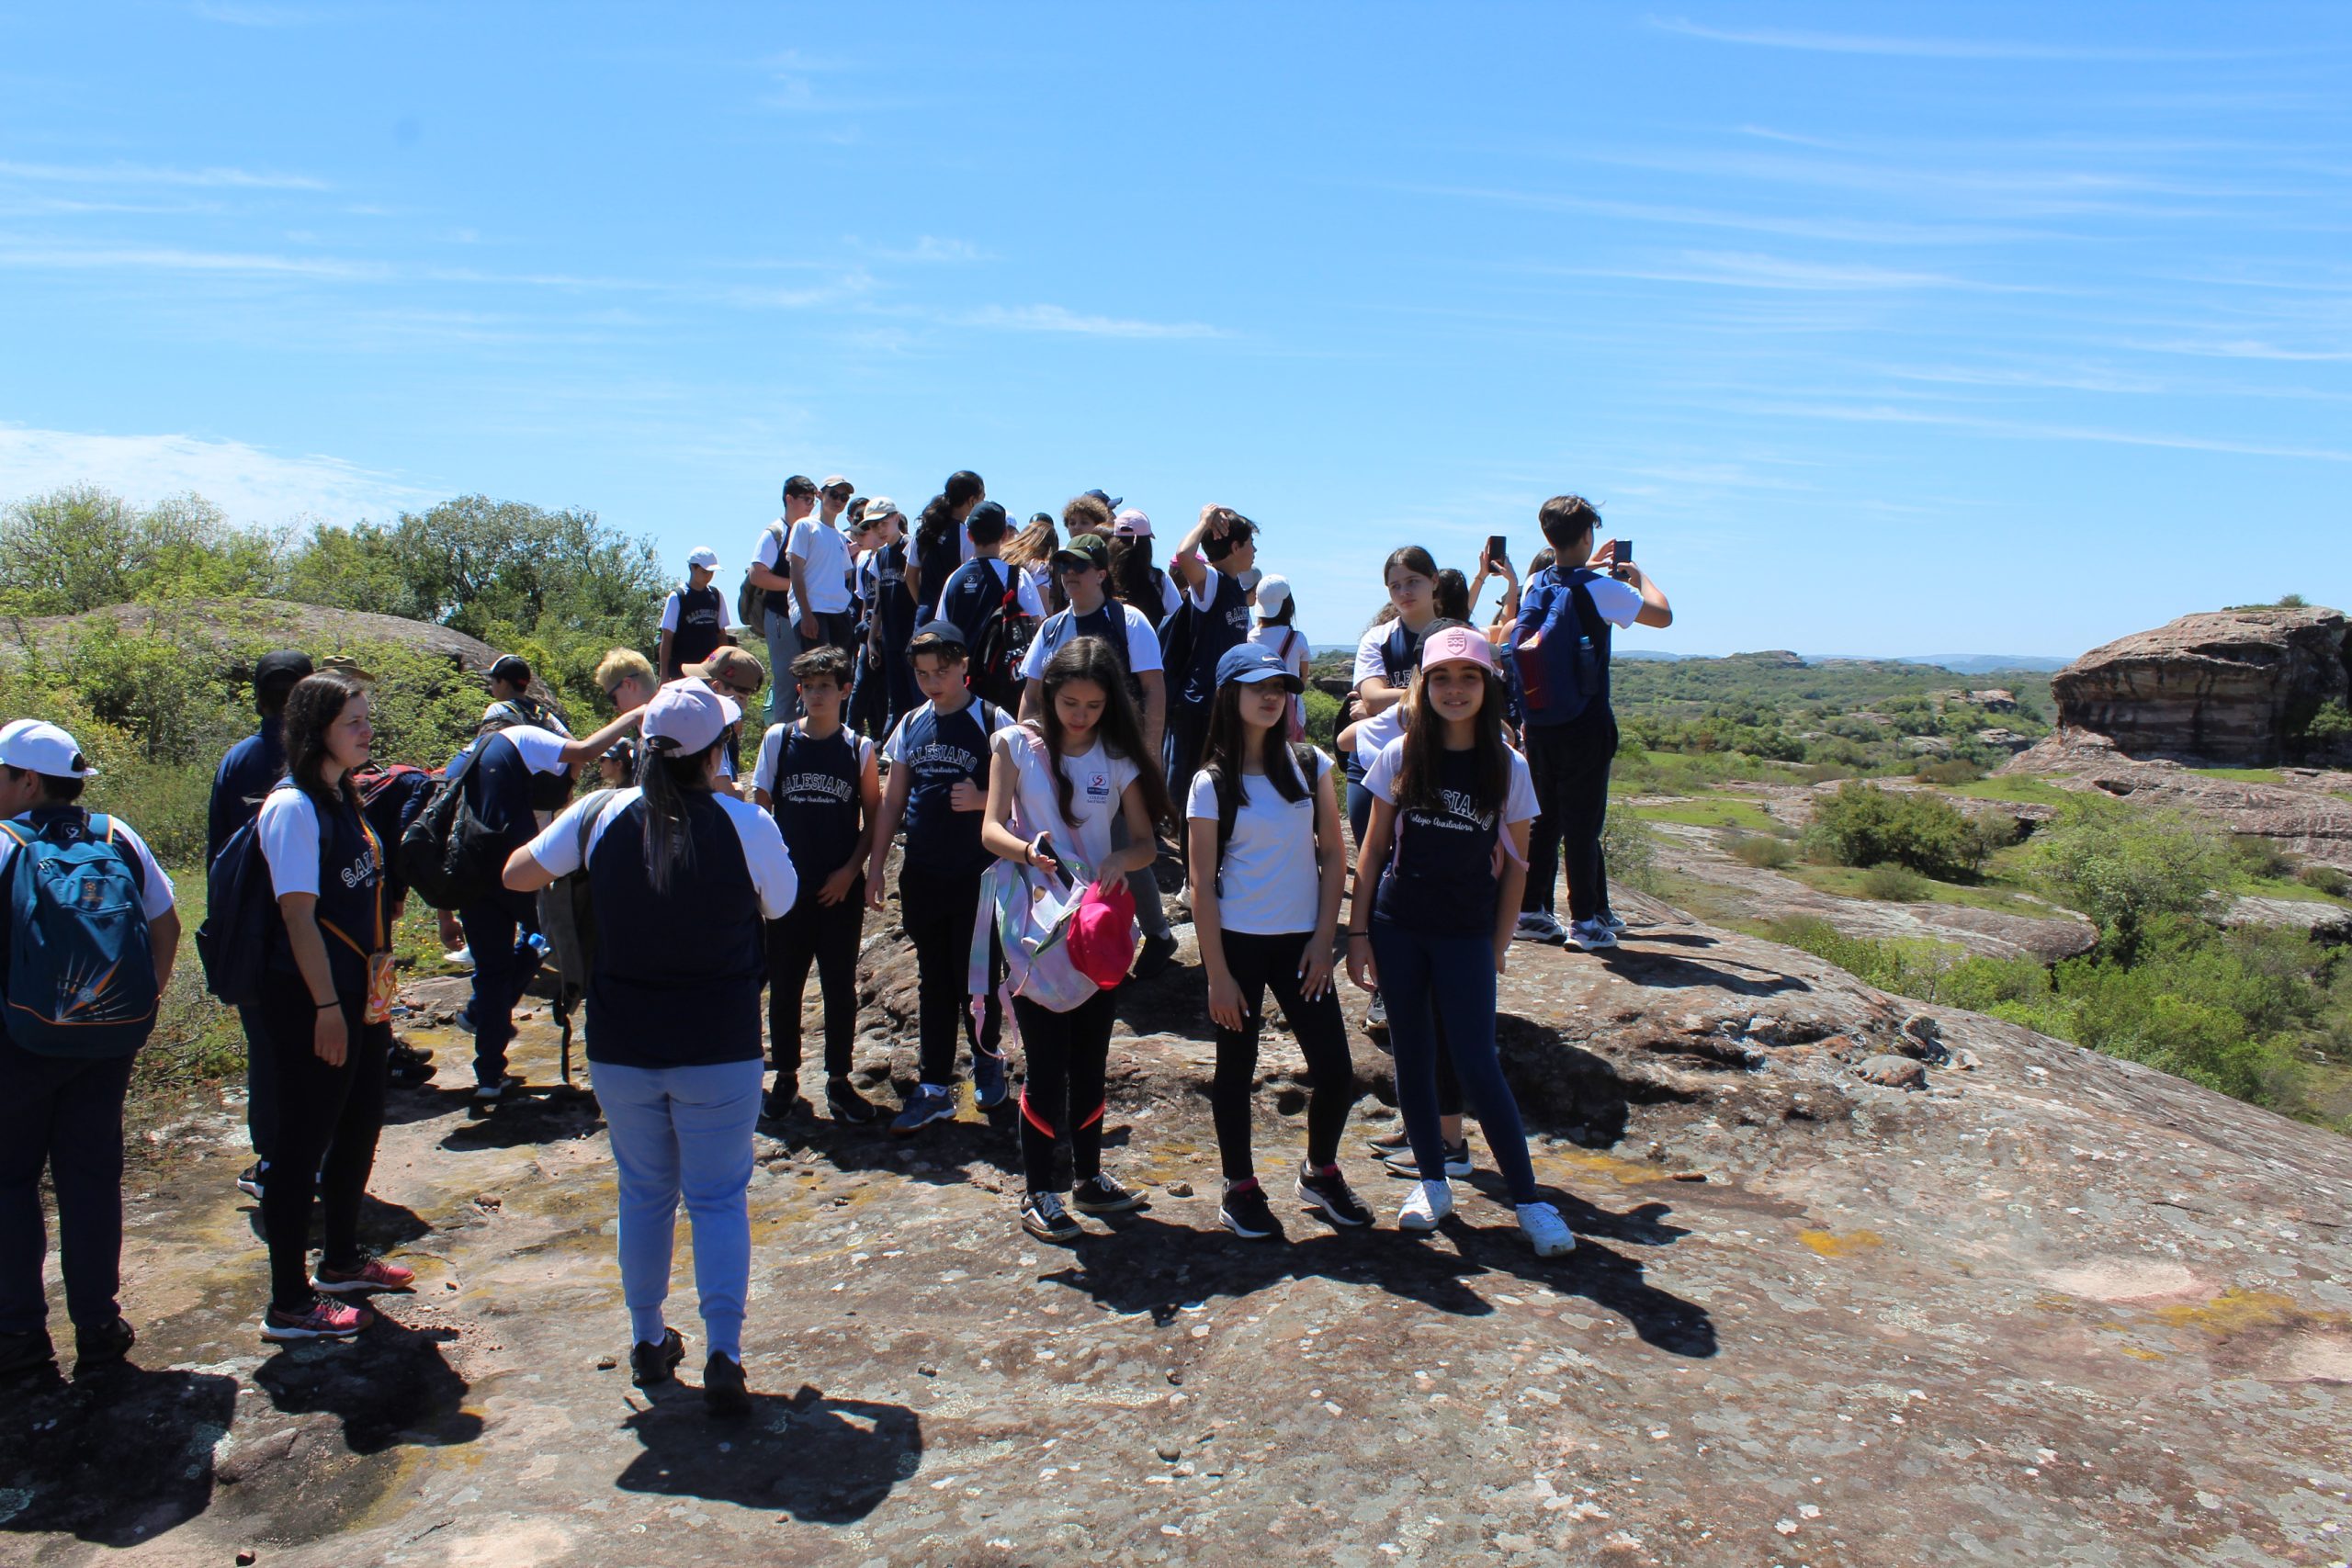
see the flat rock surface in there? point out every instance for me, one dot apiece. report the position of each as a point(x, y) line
point(2307, 811)
point(2048, 1308)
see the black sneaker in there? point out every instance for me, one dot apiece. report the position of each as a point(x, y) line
point(22, 1353)
point(101, 1345)
point(1245, 1212)
point(1383, 1145)
point(405, 1071)
point(723, 1389)
point(1102, 1194)
point(415, 1055)
point(847, 1105)
point(1157, 954)
point(1328, 1190)
point(1042, 1214)
point(249, 1180)
point(651, 1364)
point(781, 1104)
point(1457, 1162)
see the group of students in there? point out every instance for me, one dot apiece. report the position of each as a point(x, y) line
point(708, 880)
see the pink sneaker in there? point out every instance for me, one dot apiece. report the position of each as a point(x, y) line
point(324, 1319)
point(375, 1274)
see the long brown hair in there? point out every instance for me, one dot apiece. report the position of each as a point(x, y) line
point(1092, 658)
point(311, 708)
point(1419, 769)
point(1223, 754)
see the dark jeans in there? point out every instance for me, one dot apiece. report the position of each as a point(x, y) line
point(330, 1114)
point(1428, 979)
point(938, 912)
point(1065, 1056)
point(1188, 733)
point(827, 935)
point(65, 1114)
point(501, 975)
point(261, 1086)
point(835, 628)
point(1258, 964)
point(1569, 766)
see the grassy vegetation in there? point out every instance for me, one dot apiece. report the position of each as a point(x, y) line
point(2018, 788)
point(2002, 896)
point(2242, 775)
point(1713, 811)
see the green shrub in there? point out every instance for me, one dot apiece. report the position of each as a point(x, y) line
point(1763, 851)
point(1955, 771)
point(2125, 868)
point(1322, 717)
point(1861, 825)
point(2258, 856)
point(2326, 878)
point(1895, 884)
point(2332, 722)
point(1629, 852)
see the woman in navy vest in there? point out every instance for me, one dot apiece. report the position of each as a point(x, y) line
point(682, 877)
point(329, 1036)
point(818, 778)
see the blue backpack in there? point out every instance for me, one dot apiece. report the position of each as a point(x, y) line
point(233, 941)
point(1559, 648)
point(81, 978)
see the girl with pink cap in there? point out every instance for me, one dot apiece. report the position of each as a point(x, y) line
point(1451, 806)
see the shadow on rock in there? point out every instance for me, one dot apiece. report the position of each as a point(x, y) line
point(390, 1387)
point(942, 1155)
point(117, 1457)
point(383, 1227)
point(548, 1114)
point(1152, 1266)
point(828, 1462)
point(1665, 972)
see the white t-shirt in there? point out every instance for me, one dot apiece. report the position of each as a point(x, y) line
point(1374, 733)
point(1289, 645)
point(772, 747)
point(557, 849)
point(155, 888)
point(823, 555)
point(1267, 883)
point(1368, 660)
point(1098, 785)
point(288, 831)
point(1519, 806)
point(1618, 602)
point(542, 749)
point(670, 612)
point(1143, 643)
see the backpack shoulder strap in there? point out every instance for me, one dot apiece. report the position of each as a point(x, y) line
point(104, 826)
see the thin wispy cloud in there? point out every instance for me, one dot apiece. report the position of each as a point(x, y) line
point(251, 483)
point(162, 259)
point(2031, 430)
point(153, 174)
point(1933, 48)
point(1058, 319)
point(1752, 270)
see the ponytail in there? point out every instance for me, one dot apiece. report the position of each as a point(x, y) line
point(671, 781)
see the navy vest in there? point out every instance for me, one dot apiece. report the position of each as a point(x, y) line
point(350, 875)
point(677, 976)
point(1225, 626)
point(1442, 881)
point(940, 749)
point(702, 621)
point(814, 796)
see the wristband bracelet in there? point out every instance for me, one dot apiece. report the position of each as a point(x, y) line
point(1359, 936)
point(322, 1007)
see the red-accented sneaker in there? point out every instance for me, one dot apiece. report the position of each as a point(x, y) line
point(373, 1274)
point(323, 1319)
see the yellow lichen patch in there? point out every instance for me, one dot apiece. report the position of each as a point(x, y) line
point(1829, 1244)
point(2139, 1355)
point(2236, 1311)
point(1624, 1172)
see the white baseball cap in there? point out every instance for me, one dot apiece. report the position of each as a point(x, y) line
point(688, 714)
point(834, 481)
point(703, 556)
point(1273, 594)
point(881, 506)
point(45, 749)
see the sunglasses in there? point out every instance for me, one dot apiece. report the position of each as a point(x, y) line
point(742, 691)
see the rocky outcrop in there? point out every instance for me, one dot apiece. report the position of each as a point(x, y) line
point(2232, 687)
point(1859, 1281)
point(2307, 811)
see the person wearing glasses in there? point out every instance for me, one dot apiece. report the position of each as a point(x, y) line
point(627, 679)
point(817, 560)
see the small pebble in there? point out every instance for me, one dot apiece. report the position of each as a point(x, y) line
point(1169, 1451)
point(1177, 1189)
point(606, 1363)
point(246, 1557)
point(1175, 1377)
point(927, 1370)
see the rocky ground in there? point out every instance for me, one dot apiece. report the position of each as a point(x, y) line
point(2307, 811)
point(1861, 1284)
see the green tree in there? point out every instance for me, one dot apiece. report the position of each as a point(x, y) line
point(1861, 825)
point(2124, 868)
point(82, 548)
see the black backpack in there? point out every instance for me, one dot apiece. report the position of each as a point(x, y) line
point(448, 856)
point(1002, 645)
point(233, 941)
point(1178, 632)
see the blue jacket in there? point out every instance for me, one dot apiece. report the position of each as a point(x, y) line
point(246, 775)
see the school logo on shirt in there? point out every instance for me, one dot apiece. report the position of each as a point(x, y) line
point(1098, 786)
point(1461, 814)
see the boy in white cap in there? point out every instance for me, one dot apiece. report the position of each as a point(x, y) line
point(68, 1042)
point(694, 617)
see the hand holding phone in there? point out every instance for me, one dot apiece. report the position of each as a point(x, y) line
point(1621, 555)
point(1498, 549)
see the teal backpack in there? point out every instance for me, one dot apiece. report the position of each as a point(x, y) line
point(80, 977)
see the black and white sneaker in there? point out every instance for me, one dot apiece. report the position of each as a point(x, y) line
point(1328, 1191)
point(849, 1106)
point(1245, 1212)
point(490, 1096)
point(249, 1179)
point(1102, 1194)
point(1384, 1145)
point(1042, 1214)
point(653, 1364)
point(1457, 1162)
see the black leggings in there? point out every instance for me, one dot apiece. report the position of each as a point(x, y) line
point(828, 935)
point(1258, 964)
point(330, 1114)
point(938, 914)
point(1067, 1056)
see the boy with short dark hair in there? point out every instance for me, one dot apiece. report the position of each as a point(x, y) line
point(1572, 738)
point(939, 786)
point(819, 781)
point(60, 1108)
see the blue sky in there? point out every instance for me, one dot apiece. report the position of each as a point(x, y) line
point(1894, 329)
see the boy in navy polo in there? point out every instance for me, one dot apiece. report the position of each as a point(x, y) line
point(939, 786)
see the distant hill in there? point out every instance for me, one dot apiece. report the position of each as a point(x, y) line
point(1958, 663)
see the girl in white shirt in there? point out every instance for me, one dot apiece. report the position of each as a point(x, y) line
point(1067, 772)
point(1268, 867)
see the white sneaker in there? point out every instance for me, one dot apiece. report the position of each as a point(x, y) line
point(1545, 1231)
point(1535, 925)
point(1612, 920)
point(1590, 936)
point(461, 958)
point(1425, 1205)
point(1375, 1012)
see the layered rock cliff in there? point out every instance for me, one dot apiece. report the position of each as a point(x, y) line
point(2233, 687)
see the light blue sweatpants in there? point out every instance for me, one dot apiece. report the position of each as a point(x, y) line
point(684, 1132)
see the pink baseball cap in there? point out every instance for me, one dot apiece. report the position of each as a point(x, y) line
point(1457, 642)
point(1131, 524)
point(1100, 938)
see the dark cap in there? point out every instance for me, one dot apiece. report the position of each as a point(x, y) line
point(986, 522)
point(1106, 498)
point(282, 667)
point(1084, 550)
point(513, 668)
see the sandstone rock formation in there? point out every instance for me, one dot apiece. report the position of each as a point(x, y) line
point(2230, 687)
point(2307, 811)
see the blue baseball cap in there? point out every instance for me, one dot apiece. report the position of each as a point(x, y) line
point(1251, 662)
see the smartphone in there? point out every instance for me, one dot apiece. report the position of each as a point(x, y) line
point(1623, 552)
point(1498, 548)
